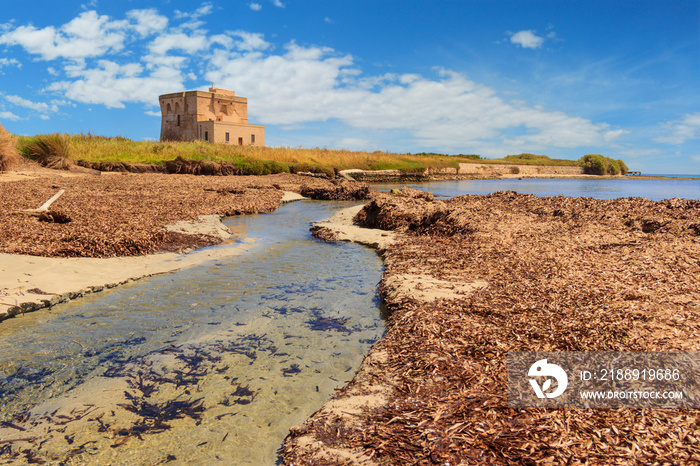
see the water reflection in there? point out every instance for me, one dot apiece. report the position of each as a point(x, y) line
point(652, 189)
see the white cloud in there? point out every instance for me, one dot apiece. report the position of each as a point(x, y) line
point(9, 62)
point(88, 35)
point(308, 84)
point(40, 107)
point(111, 84)
point(147, 22)
point(250, 41)
point(278, 3)
point(164, 43)
point(9, 116)
point(680, 131)
point(203, 10)
point(527, 39)
point(255, 6)
point(612, 135)
point(292, 87)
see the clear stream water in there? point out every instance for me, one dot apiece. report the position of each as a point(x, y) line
point(261, 340)
point(214, 363)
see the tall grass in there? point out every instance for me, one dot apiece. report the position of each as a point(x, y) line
point(8, 150)
point(91, 148)
point(50, 150)
point(256, 159)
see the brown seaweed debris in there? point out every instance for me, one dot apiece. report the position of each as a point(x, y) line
point(339, 190)
point(563, 274)
point(124, 214)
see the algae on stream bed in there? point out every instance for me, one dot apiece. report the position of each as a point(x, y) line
point(210, 364)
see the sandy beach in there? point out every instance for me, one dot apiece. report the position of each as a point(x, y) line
point(122, 227)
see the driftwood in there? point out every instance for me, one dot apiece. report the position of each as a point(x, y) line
point(45, 206)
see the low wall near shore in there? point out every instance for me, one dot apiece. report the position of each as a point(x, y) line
point(475, 169)
point(390, 175)
point(503, 169)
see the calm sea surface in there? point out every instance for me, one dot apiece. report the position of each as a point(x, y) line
point(652, 189)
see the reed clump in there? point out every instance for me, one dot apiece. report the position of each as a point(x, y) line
point(50, 150)
point(8, 150)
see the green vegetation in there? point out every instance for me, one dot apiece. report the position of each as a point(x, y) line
point(596, 164)
point(56, 150)
point(8, 150)
point(250, 159)
point(50, 150)
point(533, 159)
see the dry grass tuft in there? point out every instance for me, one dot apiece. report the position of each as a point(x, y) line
point(50, 150)
point(8, 150)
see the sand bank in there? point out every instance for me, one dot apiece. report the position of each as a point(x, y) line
point(28, 283)
point(341, 227)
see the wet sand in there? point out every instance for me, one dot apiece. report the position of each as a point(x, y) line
point(122, 227)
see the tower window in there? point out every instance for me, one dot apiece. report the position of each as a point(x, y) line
point(178, 120)
point(227, 137)
point(252, 139)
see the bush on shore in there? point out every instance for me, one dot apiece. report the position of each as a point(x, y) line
point(596, 164)
point(8, 150)
point(50, 150)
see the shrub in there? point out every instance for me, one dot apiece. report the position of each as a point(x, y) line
point(612, 168)
point(261, 167)
point(8, 150)
point(50, 150)
point(623, 167)
point(514, 170)
point(594, 164)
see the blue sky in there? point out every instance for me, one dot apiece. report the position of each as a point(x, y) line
point(561, 78)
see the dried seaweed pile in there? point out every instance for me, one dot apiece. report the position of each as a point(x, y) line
point(563, 274)
point(341, 190)
point(123, 215)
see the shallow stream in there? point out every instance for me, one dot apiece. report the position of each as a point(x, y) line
point(211, 364)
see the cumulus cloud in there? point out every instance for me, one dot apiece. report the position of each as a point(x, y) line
point(147, 22)
point(527, 39)
point(9, 62)
point(680, 131)
point(255, 6)
point(249, 41)
point(9, 116)
point(112, 84)
point(41, 107)
point(307, 84)
point(88, 35)
point(278, 3)
point(291, 86)
point(203, 10)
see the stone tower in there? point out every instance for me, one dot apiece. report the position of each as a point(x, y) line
point(216, 116)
